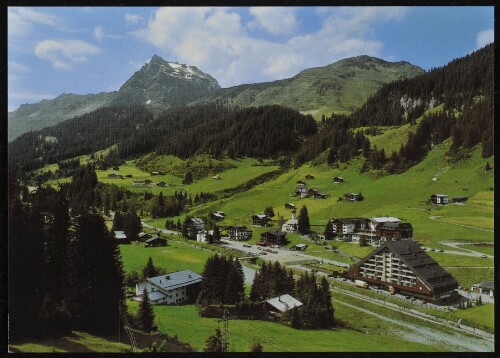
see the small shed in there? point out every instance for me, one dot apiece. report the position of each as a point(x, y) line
point(460, 199)
point(309, 176)
point(338, 180)
point(289, 206)
point(300, 247)
point(439, 199)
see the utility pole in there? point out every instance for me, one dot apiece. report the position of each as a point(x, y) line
point(225, 332)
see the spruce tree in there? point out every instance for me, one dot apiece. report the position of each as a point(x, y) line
point(216, 235)
point(145, 315)
point(329, 234)
point(214, 342)
point(304, 227)
point(149, 270)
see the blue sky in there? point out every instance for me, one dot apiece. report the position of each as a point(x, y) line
point(55, 50)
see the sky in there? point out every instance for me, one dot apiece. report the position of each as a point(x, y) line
point(81, 50)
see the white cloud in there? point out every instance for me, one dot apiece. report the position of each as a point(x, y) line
point(216, 41)
point(63, 53)
point(275, 20)
point(21, 21)
point(133, 18)
point(99, 33)
point(485, 37)
point(19, 67)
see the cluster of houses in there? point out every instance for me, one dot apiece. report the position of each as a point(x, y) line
point(182, 286)
point(149, 183)
point(148, 239)
point(302, 191)
point(375, 231)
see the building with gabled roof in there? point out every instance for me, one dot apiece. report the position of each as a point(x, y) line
point(273, 237)
point(439, 199)
point(260, 220)
point(405, 267)
point(283, 303)
point(486, 288)
point(174, 287)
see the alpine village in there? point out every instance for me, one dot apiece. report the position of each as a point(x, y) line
point(174, 215)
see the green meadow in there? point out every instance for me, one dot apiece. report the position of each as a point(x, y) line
point(74, 342)
point(173, 257)
point(185, 322)
point(484, 314)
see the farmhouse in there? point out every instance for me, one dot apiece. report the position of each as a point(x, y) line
point(138, 183)
point(175, 287)
point(309, 176)
point(343, 227)
point(147, 182)
point(239, 233)
point(439, 199)
point(337, 180)
point(216, 177)
point(194, 226)
point(273, 237)
point(114, 175)
point(301, 190)
point(291, 225)
point(289, 206)
point(204, 235)
point(161, 184)
point(156, 241)
point(402, 266)
point(460, 199)
point(283, 303)
point(155, 173)
point(260, 220)
point(351, 196)
point(485, 287)
point(315, 193)
point(121, 237)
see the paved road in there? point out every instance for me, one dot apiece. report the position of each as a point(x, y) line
point(458, 244)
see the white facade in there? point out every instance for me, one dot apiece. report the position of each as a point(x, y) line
point(168, 289)
point(374, 222)
point(291, 225)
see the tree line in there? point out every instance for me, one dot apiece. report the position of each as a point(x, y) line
point(65, 270)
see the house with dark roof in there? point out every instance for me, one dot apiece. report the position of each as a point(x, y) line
point(337, 180)
point(218, 215)
point(156, 241)
point(289, 206)
point(309, 176)
point(301, 189)
point(459, 199)
point(439, 199)
point(404, 267)
point(391, 231)
point(172, 288)
point(315, 193)
point(273, 237)
point(143, 236)
point(260, 220)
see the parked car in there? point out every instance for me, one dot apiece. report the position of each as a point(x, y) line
point(246, 245)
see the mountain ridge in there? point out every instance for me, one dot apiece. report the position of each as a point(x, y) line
point(161, 84)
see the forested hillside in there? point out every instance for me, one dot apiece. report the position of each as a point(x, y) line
point(183, 132)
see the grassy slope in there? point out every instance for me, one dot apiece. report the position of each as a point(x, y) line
point(185, 322)
point(484, 314)
point(76, 342)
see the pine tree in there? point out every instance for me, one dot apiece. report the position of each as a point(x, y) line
point(329, 234)
point(214, 342)
point(150, 270)
point(256, 346)
point(188, 178)
point(216, 235)
point(304, 227)
point(145, 315)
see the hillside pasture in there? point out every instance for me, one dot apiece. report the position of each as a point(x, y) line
point(185, 322)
